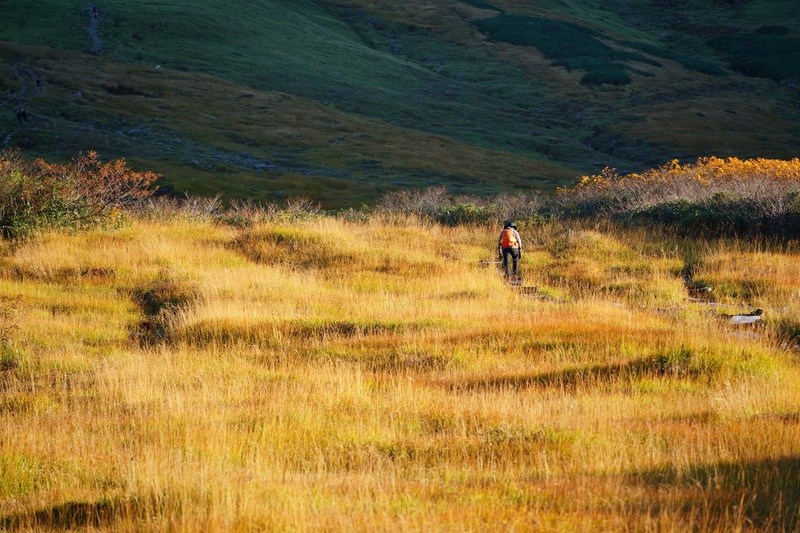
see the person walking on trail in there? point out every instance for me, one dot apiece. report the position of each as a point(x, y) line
point(509, 246)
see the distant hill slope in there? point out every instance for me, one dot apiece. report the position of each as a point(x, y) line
point(342, 101)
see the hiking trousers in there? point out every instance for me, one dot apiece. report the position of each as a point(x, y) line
point(511, 252)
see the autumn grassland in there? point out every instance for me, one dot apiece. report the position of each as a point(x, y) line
point(305, 328)
point(317, 373)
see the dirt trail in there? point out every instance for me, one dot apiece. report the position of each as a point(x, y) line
point(94, 22)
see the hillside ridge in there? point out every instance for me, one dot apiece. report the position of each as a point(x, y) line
point(538, 94)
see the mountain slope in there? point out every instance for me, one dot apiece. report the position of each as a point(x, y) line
point(538, 93)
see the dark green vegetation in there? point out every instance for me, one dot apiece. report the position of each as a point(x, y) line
point(769, 52)
point(578, 47)
point(568, 45)
point(345, 101)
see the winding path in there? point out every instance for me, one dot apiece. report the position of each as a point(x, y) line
point(94, 22)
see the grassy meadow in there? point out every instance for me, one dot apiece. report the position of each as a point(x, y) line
point(318, 373)
point(220, 366)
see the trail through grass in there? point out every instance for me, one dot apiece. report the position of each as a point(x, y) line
point(330, 374)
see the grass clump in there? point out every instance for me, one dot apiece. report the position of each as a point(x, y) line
point(10, 315)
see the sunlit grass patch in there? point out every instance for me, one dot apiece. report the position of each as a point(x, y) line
point(308, 333)
point(25, 402)
point(52, 315)
point(139, 252)
point(591, 264)
point(22, 475)
point(291, 247)
point(591, 361)
point(400, 361)
point(324, 245)
point(769, 279)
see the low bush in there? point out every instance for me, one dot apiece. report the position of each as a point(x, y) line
point(467, 213)
point(438, 205)
point(712, 196)
point(86, 192)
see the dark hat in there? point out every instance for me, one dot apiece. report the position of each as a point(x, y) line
point(510, 224)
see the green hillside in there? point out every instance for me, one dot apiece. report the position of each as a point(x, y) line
point(343, 101)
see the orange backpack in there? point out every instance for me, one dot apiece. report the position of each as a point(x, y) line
point(508, 239)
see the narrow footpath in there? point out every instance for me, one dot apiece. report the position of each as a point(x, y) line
point(94, 22)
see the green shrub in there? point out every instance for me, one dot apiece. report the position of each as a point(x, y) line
point(36, 194)
point(435, 203)
point(569, 45)
point(766, 53)
point(465, 214)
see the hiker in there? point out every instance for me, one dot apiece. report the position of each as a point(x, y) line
point(22, 115)
point(510, 245)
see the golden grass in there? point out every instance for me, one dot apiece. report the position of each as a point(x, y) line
point(331, 375)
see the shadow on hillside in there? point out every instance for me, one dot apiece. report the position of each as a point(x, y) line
point(764, 494)
point(67, 516)
point(677, 365)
